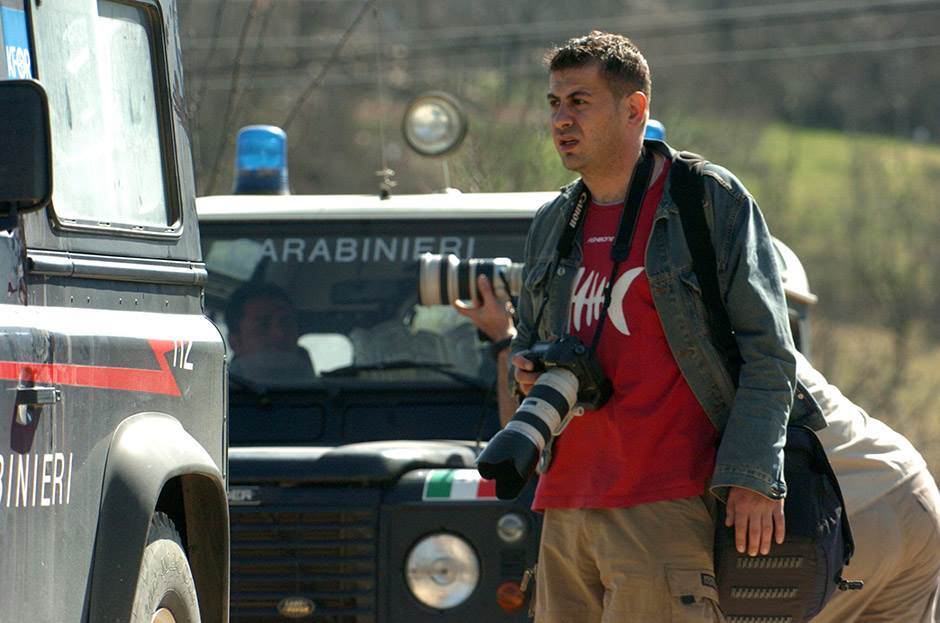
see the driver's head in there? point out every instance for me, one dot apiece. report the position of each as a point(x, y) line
point(261, 318)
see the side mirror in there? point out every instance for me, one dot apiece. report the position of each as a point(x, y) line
point(25, 148)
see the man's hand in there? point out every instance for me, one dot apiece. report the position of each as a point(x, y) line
point(523, 373)
point(755, 519)
point(493, 317)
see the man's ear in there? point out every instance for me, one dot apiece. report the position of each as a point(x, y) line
point(635, 106)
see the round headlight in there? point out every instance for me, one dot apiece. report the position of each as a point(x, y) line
point(434, 124)
point(442, 570)
point(512, 528)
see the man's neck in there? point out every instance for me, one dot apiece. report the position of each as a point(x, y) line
point(612, 187)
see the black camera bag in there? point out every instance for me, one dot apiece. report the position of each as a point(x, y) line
point(794, 582)
point(798, 577)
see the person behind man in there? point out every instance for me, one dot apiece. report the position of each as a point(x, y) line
point(893, 507)
point(628, 528)
point(263, 332)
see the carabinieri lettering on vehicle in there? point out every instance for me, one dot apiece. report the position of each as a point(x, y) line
point(31, 480)
point(373, 249)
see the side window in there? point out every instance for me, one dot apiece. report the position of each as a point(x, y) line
point(98, 70)
point(15, 63)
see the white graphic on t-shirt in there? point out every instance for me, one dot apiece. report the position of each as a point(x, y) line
point(588, 299)
point(617, 296)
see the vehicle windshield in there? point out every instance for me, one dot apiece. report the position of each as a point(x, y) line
point(316, 303)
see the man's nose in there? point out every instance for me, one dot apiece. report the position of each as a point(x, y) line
point(561, 118)
point(279, 331)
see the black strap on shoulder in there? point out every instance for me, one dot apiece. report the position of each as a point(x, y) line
point(687, 187)
point(566, 240)
point(639, 181)
point(620, 250)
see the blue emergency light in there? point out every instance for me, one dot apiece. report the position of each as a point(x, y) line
point(261, 161)
point(655, 131)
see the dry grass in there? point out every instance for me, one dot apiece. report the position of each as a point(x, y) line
point(906, 396)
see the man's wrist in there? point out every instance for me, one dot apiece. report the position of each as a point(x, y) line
point(500, 346)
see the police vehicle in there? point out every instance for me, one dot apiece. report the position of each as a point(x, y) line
point(113, 453)
point(356, 413)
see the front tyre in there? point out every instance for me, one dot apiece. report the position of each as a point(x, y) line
point(165, 589)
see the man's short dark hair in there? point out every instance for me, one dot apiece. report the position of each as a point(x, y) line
point(253, 290)
point(620, 61)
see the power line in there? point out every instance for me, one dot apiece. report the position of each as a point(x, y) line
point(691, 59)
point(315, 83)
point(800, 52)
point(634, 24)
point(213, 48)
point(236, 76)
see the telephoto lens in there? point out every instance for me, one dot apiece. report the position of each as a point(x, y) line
point(512, 454)
point(445, 278)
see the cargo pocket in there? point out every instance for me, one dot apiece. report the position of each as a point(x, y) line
point(694, 596)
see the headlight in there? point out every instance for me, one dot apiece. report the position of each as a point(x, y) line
point(434, 124)
point(512, 528)
point(442, 570)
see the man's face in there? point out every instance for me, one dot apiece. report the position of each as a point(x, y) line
point(588, 121)
point(266, 326)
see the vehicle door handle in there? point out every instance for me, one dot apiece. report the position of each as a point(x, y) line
point(31, 397)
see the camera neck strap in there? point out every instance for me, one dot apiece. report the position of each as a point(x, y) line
point(623, 241)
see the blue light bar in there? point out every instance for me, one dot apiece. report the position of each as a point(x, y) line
point(261, 161)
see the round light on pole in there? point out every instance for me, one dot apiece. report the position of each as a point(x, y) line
point(434, 124)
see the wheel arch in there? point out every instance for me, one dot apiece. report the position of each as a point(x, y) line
point(154, 464)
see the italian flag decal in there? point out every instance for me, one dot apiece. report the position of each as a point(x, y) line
point(444, 485)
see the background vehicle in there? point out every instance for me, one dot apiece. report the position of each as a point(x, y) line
point(112, 464)
point(337, 476)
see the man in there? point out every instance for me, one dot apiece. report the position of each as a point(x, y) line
point(628, 528)
point(263, 332)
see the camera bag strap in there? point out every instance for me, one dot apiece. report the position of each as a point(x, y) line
point(687, 189)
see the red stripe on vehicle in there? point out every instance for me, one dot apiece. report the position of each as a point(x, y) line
point(123, 379)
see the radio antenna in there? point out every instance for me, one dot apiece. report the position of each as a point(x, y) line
point(387, 183)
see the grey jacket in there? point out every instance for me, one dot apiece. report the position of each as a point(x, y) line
point(751, 420)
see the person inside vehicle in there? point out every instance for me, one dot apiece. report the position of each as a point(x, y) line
point(263, 332)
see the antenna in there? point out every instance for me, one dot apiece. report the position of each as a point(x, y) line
point(387, 183)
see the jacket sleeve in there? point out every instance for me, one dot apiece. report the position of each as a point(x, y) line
point(750, 454)
point(526, 332)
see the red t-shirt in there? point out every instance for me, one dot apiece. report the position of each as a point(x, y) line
point(651, 441)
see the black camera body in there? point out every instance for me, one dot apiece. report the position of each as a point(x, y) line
point(594, 388)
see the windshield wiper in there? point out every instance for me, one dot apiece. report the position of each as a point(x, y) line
point(265, 387)
point(237, 381)
point(404, 364)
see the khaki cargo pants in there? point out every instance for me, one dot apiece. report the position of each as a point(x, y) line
point(646, 564)
point(897, 555)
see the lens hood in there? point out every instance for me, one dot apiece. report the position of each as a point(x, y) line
point(509, 459)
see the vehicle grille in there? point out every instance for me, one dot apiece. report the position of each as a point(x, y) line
point(313, 544)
